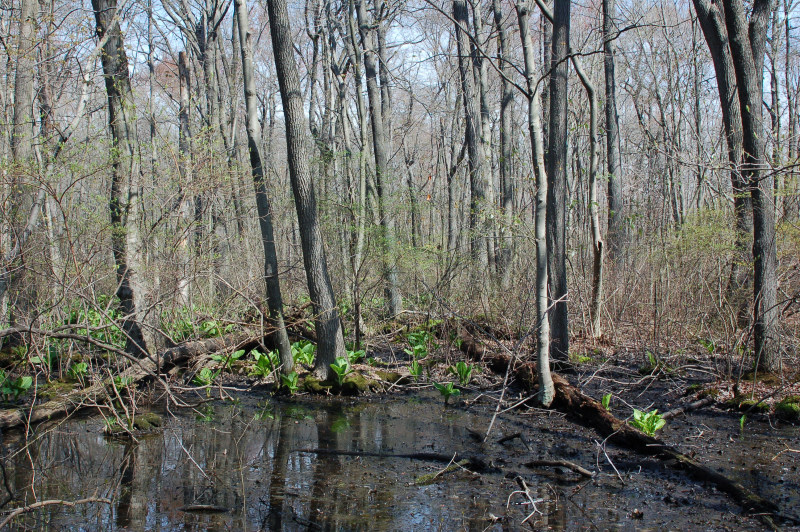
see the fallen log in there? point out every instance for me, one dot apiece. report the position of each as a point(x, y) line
point(140, 369)
point(591, 413)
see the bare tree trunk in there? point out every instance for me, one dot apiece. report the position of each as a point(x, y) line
point(472, 133)
point(125, 203)
point(185, 168)
point(274, 297)
point(506, 247)
point(381, 159)
point(712, 22)
point(327, 323)
point(22, 130)
point(595, 309)
point(792, 202)
point(546, 388)
point(615, 202)
point(557, 182)
point(747, 46)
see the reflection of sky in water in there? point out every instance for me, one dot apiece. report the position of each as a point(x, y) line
point(250, 466)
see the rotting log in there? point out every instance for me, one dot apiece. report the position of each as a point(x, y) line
point(146, 367)
point(591, 413)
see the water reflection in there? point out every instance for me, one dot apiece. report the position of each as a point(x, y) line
point(244, 460)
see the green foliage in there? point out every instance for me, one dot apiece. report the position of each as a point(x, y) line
point(447, 390)
point(355, 356)
point(14, 388)
point(789, 408)
point(741, 422)
point(647, 422)
point(421, 342)
point(303, 352)
point(206, 414)
point(607, 401)
point(708, 345)
point(342, 369)
point(100, 323)
point(290, 382)
point(463, 371)
point(205, 377)
point(415, 369)
point(575, 358)
point(265, 363)
point(265, 412)
point(78, 371)
point(228, 360)
point(215, 328)
point(120, 383)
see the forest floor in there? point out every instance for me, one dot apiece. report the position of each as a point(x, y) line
point(392, 438)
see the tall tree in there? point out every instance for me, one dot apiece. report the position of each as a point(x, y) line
point(377, 120)
point(22, 129)
point(557, 181)
point(546, 388)
point(747, 41)
point(712, 22)
point(326, 320)
point(505, 246)
point(615, 214)
point(124, 203)
point(274, 297)
point(477, 178)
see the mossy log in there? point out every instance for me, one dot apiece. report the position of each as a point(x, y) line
point(97, 393)
point(590, 413)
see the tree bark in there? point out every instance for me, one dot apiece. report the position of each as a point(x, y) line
point(326, 321)
point(274, 297)
point(472, 132)
point(557, 182)
point(597, 242)
point(546, 390)
point(389, 244)
point(505, 245)
point(124, 202)
point(747, 43)
point(22, 130)
point(712, 21)
point(615, 233)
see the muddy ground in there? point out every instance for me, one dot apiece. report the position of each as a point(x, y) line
point(250, 462)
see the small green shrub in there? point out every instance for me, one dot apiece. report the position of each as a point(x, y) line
point(14, 388)
point(342, 369)
point(304, 352)
point(647, 422)
point(78, 371)
point(447, 390)
point(607, 401)
point(228, 360)
point(290, 382)
point(265, 363)
point(463, 371)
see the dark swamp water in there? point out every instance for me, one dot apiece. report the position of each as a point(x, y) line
point(245, 460)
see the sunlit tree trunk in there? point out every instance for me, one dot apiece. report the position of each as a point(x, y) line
point(557, 182)
point(274, 297)
point(389, 245)
point(326, 321)
point(125, 203)
point(546, 388)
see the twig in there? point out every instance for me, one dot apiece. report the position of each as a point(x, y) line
point(603, 448)
point(40, 504)
point(561, 463)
